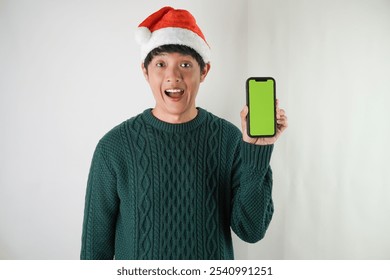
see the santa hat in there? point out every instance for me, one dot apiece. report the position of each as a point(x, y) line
point(171, 26)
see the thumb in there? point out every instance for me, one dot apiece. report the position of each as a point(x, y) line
point(243, 114)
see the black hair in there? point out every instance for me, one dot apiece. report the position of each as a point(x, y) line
point(184, 50)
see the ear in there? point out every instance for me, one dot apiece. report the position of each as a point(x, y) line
point(204, 72)
point(144, 71)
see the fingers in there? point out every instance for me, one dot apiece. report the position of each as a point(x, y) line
point(280, 113)
point(281, 120)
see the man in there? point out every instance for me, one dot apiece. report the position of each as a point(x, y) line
point(171, 182)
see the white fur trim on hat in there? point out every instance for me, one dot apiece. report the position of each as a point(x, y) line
point(172, 35)
point(142, 35)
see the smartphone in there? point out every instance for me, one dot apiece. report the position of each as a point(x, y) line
point(261, 101)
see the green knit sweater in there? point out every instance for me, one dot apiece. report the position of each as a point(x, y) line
point(174, 191)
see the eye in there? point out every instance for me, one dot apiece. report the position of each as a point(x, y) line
point(160, 64)
point(185, 65)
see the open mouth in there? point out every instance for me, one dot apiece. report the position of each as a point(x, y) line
point(174, 93)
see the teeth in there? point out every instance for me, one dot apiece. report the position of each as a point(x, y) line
point(174, 90)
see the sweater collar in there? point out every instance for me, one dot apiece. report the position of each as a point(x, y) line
point(150, 119)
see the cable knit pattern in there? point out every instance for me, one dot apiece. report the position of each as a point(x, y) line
point(174, 191)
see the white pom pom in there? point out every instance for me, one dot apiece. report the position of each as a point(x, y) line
point(142, 35)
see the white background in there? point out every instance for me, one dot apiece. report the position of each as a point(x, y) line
point(70, 71)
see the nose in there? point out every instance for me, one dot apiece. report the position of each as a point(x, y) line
point(173, 74)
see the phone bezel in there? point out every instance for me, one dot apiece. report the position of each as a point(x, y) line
point(260, 79)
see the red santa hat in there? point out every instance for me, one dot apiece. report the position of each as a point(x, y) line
point(171, 26)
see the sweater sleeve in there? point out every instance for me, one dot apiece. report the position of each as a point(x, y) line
point(100, 213)
point(252, 206)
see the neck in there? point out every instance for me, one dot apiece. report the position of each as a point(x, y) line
point(175, 118)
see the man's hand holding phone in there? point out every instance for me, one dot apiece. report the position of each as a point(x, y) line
point(281, 125)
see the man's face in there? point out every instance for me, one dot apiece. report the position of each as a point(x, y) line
point(174, 79)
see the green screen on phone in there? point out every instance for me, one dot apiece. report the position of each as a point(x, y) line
point(261, 104)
